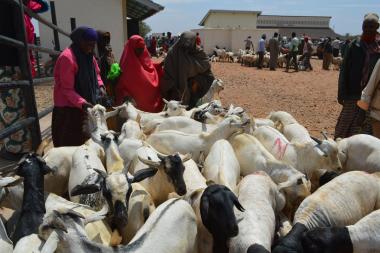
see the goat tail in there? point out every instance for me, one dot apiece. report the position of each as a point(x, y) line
point(41, 148)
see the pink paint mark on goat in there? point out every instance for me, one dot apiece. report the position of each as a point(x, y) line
point(281, 148)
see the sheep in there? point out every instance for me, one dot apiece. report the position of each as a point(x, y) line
point(169, 177)
point(253, 157)
point(32, 168)
point(361, 237)
point(360, 152)
point(222, 166)
point(341, 202)
point(128, 149)
point(168, 142)
point(306, 157)
point(281, 61)
point(262, 202)
point(171, 228)
point(60, 161)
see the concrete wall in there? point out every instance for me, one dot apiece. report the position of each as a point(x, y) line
point(231, 39)
point(107, 15)
point(231, 20)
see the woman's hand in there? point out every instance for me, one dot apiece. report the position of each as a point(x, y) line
point(86, 105)
point(103, 91)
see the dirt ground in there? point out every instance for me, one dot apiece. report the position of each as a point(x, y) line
point(309, 96)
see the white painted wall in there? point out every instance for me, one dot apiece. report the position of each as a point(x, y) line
point(231, 20)
point(231, 39)
point(109, 15)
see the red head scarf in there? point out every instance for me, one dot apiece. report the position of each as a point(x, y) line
point(139, 78)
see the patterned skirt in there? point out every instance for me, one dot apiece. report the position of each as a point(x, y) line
point(352, 120)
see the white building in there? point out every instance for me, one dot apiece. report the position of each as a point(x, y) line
point(229, 28)
point(119, 17)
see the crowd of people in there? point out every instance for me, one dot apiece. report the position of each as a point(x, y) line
point(293, 47)
point(83, 80)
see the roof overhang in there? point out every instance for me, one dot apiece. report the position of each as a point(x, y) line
point(202, 23)
point(142, 9)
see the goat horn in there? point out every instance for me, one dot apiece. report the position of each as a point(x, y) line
point(316, 140)
point(161, 156)
point(149, 162)
point(186, 158)
point(325, 135)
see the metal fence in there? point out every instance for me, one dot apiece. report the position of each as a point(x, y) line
point(27, 85)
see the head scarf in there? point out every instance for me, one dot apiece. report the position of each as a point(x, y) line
point(184, 61)
point(139, 78)
point(86, 81)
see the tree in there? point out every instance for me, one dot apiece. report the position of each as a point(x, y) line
point(144, 29)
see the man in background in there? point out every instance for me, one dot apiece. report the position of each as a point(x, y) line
point(274, 50)
point(249, 44)
point(293, 51)
point(336, 47)
point(327, 54)
point(261, 51)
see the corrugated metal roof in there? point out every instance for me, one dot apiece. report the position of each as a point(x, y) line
point(314, 33)
point(202, 23)
point(142, 9)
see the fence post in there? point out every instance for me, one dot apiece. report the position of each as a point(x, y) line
point(57, 46)
point(28, 92)
point(73, 23)
point(37, 56)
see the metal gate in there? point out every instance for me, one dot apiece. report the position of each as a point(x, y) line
point(27, 84)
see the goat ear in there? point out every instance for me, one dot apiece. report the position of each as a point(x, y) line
point(165, 101)
point(143, 174)
point(91, 184)
point(45, 168)
point(320, 151)
point(236, 202)
point(204, 207)
point(54, 221)
point(10, 181)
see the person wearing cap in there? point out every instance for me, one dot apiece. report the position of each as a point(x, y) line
point(249, 44)
point(359, 61)
point(78, 86)
point(140, 77)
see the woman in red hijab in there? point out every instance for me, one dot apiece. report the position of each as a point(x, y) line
point(140, 77)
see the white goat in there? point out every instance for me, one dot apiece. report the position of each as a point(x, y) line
point(360, 152)
point(222, 166)
point(306, 157)
point(169, 142)
point(262, 203)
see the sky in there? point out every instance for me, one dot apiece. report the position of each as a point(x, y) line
point(182, 15)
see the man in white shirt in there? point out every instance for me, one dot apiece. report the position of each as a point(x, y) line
point(293, 52)
point(336, 47)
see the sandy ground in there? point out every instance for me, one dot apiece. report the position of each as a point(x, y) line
point(309, 96)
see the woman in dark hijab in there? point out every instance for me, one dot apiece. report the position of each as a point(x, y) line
point(187, 70)
point(78, 86)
